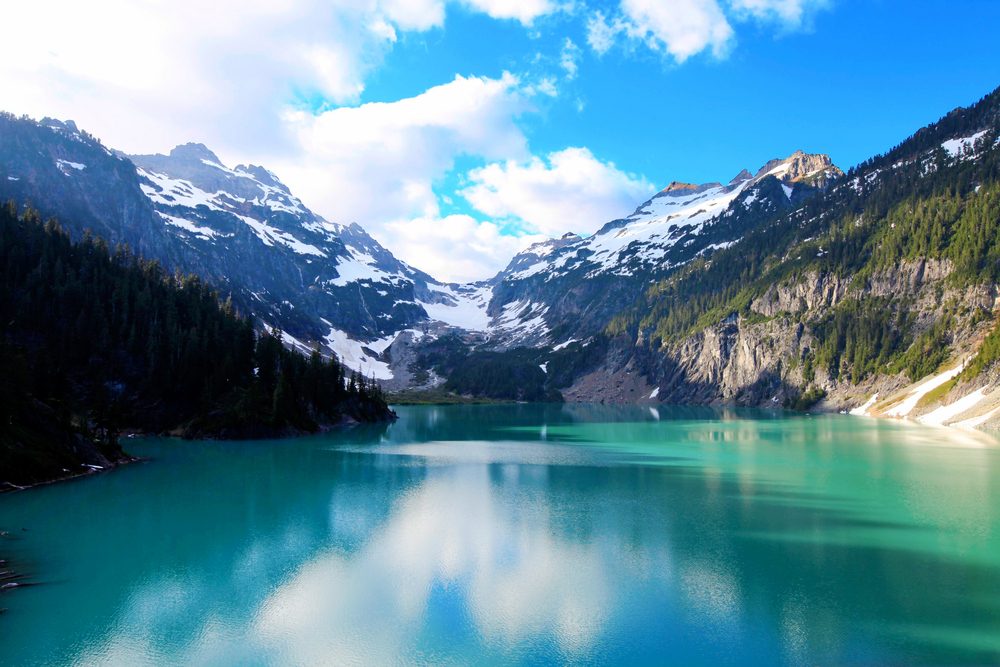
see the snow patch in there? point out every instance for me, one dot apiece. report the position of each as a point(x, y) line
point(204, 233)
point(351, 354)
point(973, 422)
point(66, 165)
point(654, 393)
point(907, 406)
point(362, 266)
point(522, 320)
point(962, 147)
point(381, 344)
point(947, 413)
point(175, 191)
point(467, 307)
point(862, 410)
point(270, 235)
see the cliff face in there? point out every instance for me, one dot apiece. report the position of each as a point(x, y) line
point(756, 359)
point(877, 295)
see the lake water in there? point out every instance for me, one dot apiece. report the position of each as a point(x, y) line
point(474, 535)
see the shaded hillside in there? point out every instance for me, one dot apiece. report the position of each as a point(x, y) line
point(96, 342)
point(240, 228)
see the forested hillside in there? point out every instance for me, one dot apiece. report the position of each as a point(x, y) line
point(96, 342)
point(889, 274)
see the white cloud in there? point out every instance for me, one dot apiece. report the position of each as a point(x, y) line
point(570, 190)
point(601, 33)
point(379, 161)
point(679, 28)
point(254, 81)
point(149, 75)
point(152, 74)
point(378, 164)
point(569, 58)
point(414, 14)
point(525, 11)
point(684, 28)
point(792, 13)
point(453, 248)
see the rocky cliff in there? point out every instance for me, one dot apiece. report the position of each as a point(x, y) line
point(878, 295)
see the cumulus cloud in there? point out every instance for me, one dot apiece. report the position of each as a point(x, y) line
point(568, 190)
point(280, 82)
point(378, 164)
point(145, 75)
point(525, 11)
point(453, 248)
point(138, 74)
point(681, 29)
point(379, 161)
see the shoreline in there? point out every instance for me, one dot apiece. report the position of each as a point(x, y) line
point(90, 470)
point(922, 403)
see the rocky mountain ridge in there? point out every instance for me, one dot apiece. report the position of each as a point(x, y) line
point(877, 296)
point(241, 229)
point(578, 284)
point(780, 287)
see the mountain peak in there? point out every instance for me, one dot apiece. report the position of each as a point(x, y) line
point(681, 188)
point(57, 124)
point(800, 166)
point(262, 174)
point(744, 175)
point(194, 152)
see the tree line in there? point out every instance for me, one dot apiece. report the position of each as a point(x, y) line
point(105, 341)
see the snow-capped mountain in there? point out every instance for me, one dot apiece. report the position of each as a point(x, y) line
point(568, 288)
point(240, 229)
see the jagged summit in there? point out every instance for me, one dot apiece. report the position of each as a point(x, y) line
point(678, 185)
point(800, 166)
point(55, 123)
point(681, 188)
point(679, 224)
point(194, 152)
point(744, 175)
point(262, 174)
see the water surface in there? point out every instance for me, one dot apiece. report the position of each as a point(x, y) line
point(522, 534)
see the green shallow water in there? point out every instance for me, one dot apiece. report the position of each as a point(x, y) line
point(522, 534)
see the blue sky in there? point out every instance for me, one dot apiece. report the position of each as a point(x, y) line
point(860, 76)
point(458, 131)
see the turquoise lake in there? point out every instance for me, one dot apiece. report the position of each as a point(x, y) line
point(525, 534)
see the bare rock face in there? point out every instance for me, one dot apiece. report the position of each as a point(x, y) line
point(735, 361)
point(680, 188)
point(750, 362)
point(744, 175)
point(801, 167)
